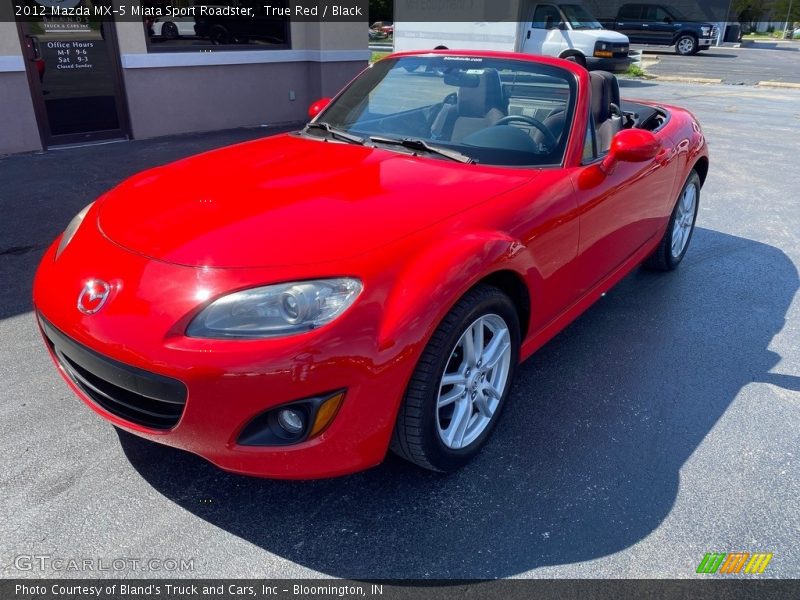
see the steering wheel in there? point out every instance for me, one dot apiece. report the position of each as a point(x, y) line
point(549, 139)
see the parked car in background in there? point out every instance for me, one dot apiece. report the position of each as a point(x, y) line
point(264, 27)
point(566, 31)
point(243, 304)
point(662, 26)
point(173, 28)
point(384, 26)
point(377, 34)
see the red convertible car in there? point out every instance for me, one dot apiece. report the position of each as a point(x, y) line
point(295, 306)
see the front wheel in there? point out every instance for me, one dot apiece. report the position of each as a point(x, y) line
point(578, 59)
point(461, 383)
point(219, 35)
point(169, 31)
point(675, 243)
point(686, 45)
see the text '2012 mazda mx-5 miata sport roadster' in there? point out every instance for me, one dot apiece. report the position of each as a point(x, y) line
point(295, 306)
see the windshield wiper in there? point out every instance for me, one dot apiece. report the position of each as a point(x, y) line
point(422, 145)
point(336, 133)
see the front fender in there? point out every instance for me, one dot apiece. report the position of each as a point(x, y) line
point(436, 278)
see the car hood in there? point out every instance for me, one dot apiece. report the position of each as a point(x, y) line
point(290, 200)
point(605, 35)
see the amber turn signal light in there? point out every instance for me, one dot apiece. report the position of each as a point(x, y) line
point(326, 413)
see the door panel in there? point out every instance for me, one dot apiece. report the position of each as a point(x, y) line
point(621, 211)
point(544, 37)
point(75, 78)
point(660, 23)
point(629, 22)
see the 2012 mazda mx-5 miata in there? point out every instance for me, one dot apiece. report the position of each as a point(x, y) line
point(295, 306)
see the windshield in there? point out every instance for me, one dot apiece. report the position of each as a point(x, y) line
point(490, 110)
point(579, 18)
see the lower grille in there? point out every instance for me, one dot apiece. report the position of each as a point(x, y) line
point(129, 393)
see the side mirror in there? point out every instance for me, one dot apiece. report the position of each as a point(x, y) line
point(318, 107)
point(562, 26)
point(631, 145)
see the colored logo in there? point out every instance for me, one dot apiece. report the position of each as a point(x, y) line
point(734, 562)
point(93, 296)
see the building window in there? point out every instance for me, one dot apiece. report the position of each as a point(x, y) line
point(202, 25)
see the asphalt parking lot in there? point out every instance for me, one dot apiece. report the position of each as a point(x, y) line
point(663, 424)
point(759, 61)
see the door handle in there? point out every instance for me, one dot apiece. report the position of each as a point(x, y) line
point(529, 34)
point(31, 47)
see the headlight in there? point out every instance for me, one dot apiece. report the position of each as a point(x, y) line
point(706, 31)
point(71, 229)
point(276, 310)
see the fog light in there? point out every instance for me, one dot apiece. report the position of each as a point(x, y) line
point(291, 421)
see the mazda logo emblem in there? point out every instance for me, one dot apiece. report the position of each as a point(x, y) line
point(93, 296)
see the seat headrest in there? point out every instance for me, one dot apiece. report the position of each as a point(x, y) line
point(605, 92)
point(477, 98)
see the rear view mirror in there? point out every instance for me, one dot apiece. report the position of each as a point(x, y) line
point(318, 107)
point(632, 145)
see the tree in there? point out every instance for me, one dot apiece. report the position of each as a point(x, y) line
point(750, 12)
point(782, 7)
point(381, 10)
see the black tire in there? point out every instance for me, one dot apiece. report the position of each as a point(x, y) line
point(578, 59)
point(169, 31)
point(416, 437)
point(220, 35)
point(686, 45)
point(662, 259)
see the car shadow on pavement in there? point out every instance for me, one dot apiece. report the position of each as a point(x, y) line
point(585, 462)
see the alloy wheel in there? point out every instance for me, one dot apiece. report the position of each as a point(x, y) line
point(474, 381)
point(684, 220)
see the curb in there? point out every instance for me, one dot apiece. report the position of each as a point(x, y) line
point(779, 84)
point(677, 79)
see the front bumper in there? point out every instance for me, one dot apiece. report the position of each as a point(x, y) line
point(613, 65)
point(227, 382)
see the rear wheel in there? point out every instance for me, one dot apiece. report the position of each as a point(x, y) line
point(675, 243)
point(461, 383)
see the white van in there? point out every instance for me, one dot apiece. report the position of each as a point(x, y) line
point(561, 30)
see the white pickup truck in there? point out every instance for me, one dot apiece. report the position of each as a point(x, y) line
point(562, 30)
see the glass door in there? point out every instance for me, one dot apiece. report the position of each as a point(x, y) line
point(75, 78)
